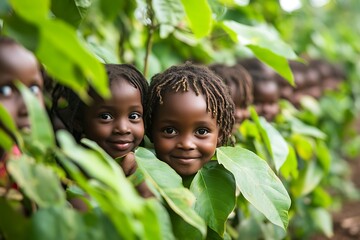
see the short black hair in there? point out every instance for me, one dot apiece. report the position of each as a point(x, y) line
point(74, 109)
point(201, 80)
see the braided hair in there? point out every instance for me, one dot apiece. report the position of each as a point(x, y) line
point(201, 80)
point(236, 75)
point(75, 106)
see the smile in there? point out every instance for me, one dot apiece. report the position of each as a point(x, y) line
point(121, 146)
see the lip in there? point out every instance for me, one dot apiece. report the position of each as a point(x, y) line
point(184, 159)
point(121, 145)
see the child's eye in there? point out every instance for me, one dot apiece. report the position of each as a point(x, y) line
point(6, 90)
point(169, 131)
point(202, 131)
point(35, 89)
point(134, 116)
point(105, 116)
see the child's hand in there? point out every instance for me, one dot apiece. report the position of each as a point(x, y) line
point(128, 164)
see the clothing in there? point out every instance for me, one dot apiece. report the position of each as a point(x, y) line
point(4, 178)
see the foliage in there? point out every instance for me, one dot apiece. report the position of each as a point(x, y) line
point(247, 190)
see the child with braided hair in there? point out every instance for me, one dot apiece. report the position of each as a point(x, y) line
point(239, 82)
point(190, 113)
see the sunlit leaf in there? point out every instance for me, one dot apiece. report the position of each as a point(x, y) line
point(290, 166)
point(214, 189)
point(38, 181)
point(169, 14)
point(304, 146)
point(257, 182)
point(200, 23)
point(273, 140)
point(323, 155)
point(77, 65)
point(265, 44)
point(32, 10)
point(169, 184)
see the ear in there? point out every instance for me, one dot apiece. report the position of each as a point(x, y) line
point(220, 139)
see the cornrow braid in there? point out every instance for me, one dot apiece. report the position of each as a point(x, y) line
point(75, 106)
point(201, 80)
point(236, 75)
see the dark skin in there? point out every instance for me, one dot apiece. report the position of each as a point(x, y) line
point(17, 63)
point(184, 133)
point(266, 96)
point(117, 125)
point(241, 112)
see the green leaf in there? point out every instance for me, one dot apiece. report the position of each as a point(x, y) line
point(31, 10)
point(214, 189)
point(41, 128)
point(273, 140)
point(308, 180)
point(299, 127)
point(323, 155)
point(106, 183)
point(290, 166)
point(169, 184)
point(169, 14)
point(265, 44)
point(275, 61)
point(200, 23)
point(38, 181)
point(67, 11)
point(6, 122)
point(59, 44)
point(323, 221)
point(9, 216)
point(257, 182)
point(304, 146)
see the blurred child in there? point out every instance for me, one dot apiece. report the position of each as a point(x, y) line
point(190, 113)
point(115, 124)
point(239, 82)
point(265, 88)
point(16, 63)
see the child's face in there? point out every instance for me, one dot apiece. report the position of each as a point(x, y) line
point(184, 134)
point(266, 95)
point(241, 112)
point(116, 124)
point(17, 63)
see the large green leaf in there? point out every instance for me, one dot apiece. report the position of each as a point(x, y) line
point(214, 188)
point(200, 23)
point(299, 127)
point(31, 10)
point(265, 44)
point(41, 128)
point(273, 140)
point(38, 181)
point(107, 185)
point(257, 182)
point(169, 14)
point(169, 184)
point(77, 64)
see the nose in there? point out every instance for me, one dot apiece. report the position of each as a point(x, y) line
point(186, 142)
point(121, 126)
point(22, 114)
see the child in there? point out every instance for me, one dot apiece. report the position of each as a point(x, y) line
point(115, 124)
point(239, 82)
point(190, 113)
point(265, 87)
point(16, 63)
